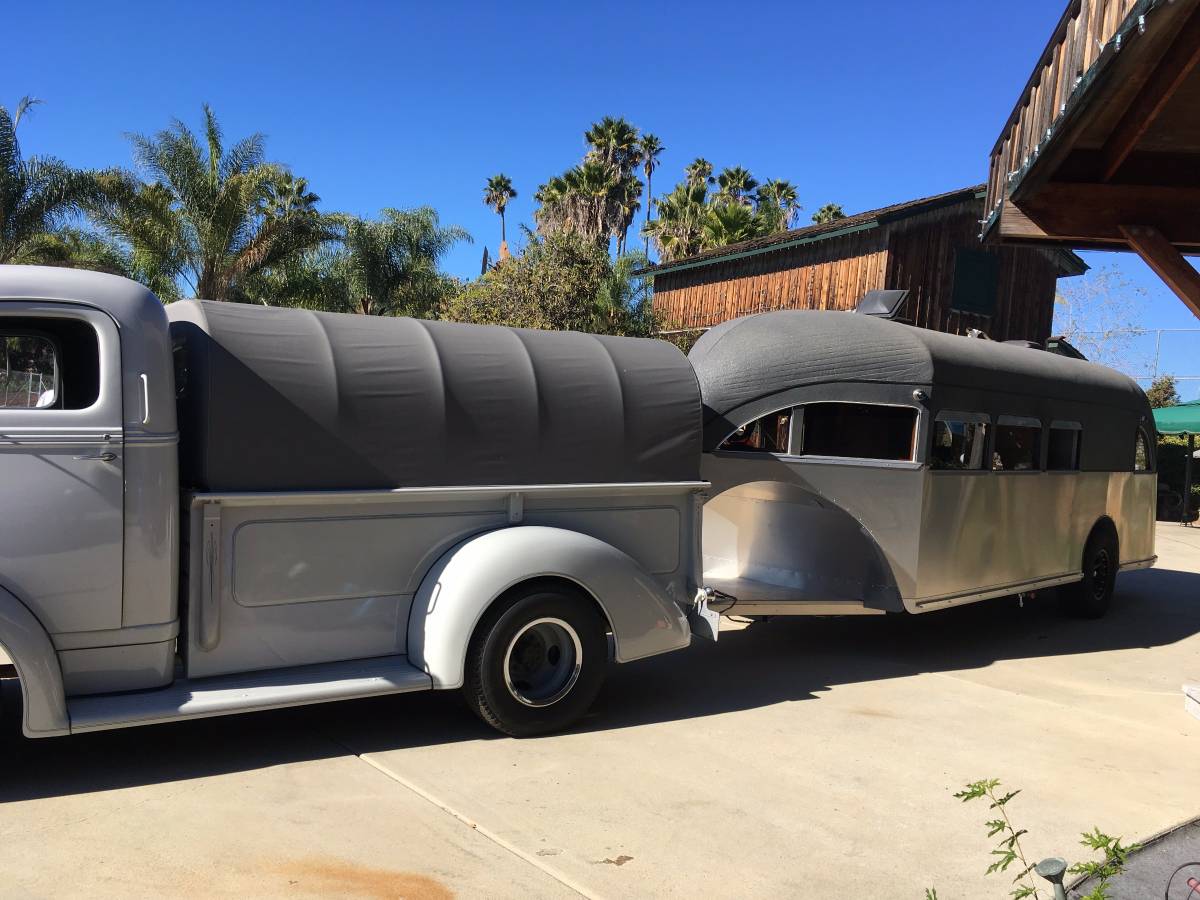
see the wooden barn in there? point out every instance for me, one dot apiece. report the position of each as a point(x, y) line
point(930, 247)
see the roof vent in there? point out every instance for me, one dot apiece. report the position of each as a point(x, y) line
point(881, 304)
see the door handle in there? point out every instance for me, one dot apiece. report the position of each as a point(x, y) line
point(106, 456)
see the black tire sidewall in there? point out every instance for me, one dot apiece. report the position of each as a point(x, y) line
point(485, 678)
point(1081, 597)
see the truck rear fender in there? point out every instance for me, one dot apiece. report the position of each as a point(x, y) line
point(28, 646)
point(459, 588)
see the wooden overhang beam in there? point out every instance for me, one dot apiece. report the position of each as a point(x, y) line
point(1094, 214)
point(1171, 72)
point(1167, 262)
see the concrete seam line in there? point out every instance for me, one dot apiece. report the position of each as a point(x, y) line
point(516, 851)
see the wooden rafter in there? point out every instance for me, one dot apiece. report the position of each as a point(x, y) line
point(1154, 95)
point(1167, 262)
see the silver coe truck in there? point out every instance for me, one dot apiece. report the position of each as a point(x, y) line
point(211, 508)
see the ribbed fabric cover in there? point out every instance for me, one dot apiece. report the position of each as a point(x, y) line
point(285, 399)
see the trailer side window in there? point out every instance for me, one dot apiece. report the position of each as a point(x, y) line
point(959, 442)
point(1018, 445)
point(859, 431)
point(1062, 451)
point(1141, 453)
point(768, 434)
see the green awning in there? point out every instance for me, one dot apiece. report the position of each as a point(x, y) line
point(1183, 418)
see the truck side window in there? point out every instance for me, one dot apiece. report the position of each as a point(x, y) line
point(768, 434)
point(29, 379)
point(49, 363)
point(959, 442)
point(1018, 446)
point(1141, 453)
point(1062, 451)
point(859, 431)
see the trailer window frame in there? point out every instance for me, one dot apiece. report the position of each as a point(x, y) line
point(1024, 423)
point(965, 418)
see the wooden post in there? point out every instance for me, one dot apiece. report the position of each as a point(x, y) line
point(1187, 479)
point(1167, 262)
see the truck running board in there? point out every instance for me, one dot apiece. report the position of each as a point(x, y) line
point(247, 692)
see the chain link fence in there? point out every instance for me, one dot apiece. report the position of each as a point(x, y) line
point(22, 389)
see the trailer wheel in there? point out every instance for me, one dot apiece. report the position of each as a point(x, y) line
point(536, 661)
point(1091, 597)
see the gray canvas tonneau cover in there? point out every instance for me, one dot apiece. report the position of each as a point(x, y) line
point(286, 399)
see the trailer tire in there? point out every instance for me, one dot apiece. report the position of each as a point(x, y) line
point(1091, 597)
point(537, 660)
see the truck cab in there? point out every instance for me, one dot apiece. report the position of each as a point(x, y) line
point(212, 508)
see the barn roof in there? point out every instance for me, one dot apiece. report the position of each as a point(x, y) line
point(862, 221)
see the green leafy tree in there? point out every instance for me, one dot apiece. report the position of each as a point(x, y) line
point(498, 192)
point(1163, 391)
point(652, 149)
point(38, 196)
point(563, 280)
point(214, 215)
point(830, 212)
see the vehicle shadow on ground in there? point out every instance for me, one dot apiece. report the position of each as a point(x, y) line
point(783, 660)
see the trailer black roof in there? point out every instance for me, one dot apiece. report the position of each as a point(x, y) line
point(288, 399)
point(744, 361)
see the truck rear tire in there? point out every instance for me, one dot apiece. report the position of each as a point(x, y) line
point(536, 661)
point(1091, 597)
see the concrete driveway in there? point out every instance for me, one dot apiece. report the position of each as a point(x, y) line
point(807, 758)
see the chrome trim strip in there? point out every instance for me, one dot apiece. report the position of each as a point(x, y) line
point(256, 498)
point(1134, 564)
point(1003, 590)
point(117, 637)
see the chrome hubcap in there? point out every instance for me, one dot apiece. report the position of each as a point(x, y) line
point(542, 662)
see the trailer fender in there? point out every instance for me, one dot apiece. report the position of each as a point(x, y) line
point(460, 587)
point(32, 654)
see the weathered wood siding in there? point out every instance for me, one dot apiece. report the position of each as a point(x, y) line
point(921, 258)
point(917, 253)
point(829, 274)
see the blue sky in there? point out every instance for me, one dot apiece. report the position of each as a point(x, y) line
point(401, 104)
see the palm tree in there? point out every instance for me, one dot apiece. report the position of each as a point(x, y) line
point(615, 143)
point(287, 196)
point(734, 185)
point(498, 192)
point(830, 212)
point(777, 203)
point(382, 267)
point(206, 213)
point(730, 223)
point(699, 172)
point(677, 229)
point(651, 148)
point(37, 195)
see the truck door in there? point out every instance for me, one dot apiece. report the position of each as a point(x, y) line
point(61, 464)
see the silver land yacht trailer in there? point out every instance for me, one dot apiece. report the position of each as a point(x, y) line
point(863, 466)
point(211, 508)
